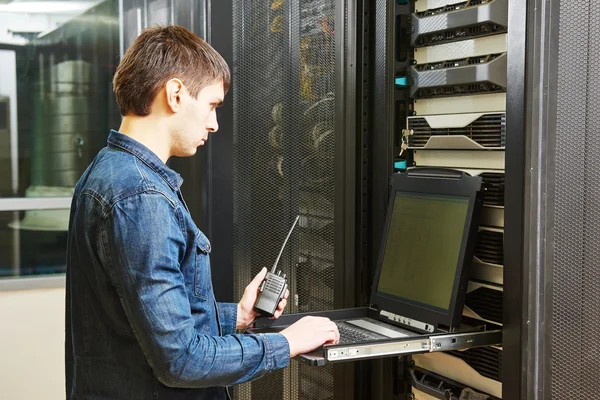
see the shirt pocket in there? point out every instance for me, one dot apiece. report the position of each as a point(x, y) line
point(202, 276)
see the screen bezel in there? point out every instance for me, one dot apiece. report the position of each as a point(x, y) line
point(467, 187)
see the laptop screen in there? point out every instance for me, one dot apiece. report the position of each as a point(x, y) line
point(427, 247)
point(422, 248)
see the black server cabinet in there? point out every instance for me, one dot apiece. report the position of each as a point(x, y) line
point(557, 71)
point(286, 146)
point(551, 268)
point(390, 106)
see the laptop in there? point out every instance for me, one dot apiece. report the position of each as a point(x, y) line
point(422, 272)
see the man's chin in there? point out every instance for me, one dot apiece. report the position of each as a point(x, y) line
point(187, 153)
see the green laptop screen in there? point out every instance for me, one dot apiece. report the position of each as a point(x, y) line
point(422, 248)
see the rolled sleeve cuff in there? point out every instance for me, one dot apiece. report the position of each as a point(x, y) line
point(278, 351)
point(228, 317)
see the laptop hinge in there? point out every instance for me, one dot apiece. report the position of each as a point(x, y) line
point(434, 172)
point(413, 323)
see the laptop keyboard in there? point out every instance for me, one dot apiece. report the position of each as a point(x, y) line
point(350, 334)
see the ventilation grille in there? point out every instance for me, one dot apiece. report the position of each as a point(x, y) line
point(494, 189)
point(458, 90)
point(487, 303)
point(462, 33)
point(488, 130)
point(458, 63)
point(485, 360)
point(451, 7)
point(490, 247)
point(287, 167)
point(315, 383)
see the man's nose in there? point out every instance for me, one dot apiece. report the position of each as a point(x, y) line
point(212, 124)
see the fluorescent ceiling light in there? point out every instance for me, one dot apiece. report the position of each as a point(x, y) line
point(48, 7)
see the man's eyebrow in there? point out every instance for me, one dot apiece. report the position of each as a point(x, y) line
point(217, 102)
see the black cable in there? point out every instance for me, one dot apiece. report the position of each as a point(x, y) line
point(248, 326)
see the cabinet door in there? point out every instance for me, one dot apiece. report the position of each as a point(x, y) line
point(288, 160)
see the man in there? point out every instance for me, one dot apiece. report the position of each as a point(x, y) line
point(142, 322)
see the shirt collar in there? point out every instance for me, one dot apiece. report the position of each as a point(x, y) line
point(147, 156)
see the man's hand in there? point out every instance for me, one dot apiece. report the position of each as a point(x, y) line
point(246, 313)
point(309, 333)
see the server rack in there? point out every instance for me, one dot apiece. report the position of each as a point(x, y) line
point(411, 125)
point(288, 148)
point(550, 268)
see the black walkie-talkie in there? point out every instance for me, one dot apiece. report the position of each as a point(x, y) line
point(274, 286)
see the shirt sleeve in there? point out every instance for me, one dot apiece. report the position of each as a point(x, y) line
point(150, 285)
point(227, 317)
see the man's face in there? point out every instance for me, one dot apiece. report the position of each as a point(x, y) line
point(197, 118)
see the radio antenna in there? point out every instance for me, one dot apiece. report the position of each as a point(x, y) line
point(284, 243)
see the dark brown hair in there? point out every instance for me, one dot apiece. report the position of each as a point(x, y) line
point(160, 54)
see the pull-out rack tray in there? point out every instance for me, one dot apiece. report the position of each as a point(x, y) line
point(419, 343)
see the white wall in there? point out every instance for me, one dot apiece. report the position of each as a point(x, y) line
point(32, 325)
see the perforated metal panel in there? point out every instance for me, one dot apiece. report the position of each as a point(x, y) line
point(485, 360)
point(576, 269)
point(284, 163)
point(591, 275)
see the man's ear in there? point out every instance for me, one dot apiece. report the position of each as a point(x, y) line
point(174, 91)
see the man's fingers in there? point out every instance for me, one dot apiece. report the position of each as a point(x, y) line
point(258, 278)
point(334, 337)
point(335, 332)
point(280, 308)
point(282, 304)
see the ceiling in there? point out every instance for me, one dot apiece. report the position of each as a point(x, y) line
point(22, 20)
point(45, 6)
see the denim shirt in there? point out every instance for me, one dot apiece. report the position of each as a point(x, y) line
point(141, 318)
